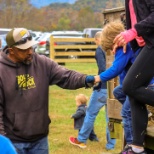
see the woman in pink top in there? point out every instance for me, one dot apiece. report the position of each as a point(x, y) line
point(140, 34)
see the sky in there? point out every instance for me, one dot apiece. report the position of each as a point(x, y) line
point(41, 3)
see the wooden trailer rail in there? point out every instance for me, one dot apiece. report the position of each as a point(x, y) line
point(82, 48)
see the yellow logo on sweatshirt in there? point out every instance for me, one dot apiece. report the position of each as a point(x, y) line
point(25, 81)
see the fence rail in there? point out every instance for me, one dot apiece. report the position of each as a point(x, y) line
point(72, 49)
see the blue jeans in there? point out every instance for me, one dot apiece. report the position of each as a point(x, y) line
point(38, 147)
point(97, 101)
point(125, 113)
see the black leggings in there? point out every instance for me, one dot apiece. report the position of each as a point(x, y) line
point(135, 86)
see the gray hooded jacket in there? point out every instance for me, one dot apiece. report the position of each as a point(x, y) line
point(24, 91)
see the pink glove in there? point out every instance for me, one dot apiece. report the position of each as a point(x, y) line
point(129, 35)
point(123, 38)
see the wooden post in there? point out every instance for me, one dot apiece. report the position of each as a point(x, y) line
point(52, 50)
point(114, 107)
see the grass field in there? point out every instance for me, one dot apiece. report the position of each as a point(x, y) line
point(62, 106)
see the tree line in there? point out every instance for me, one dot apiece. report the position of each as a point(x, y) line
point(77, 16)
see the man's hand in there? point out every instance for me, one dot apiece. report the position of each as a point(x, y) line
point(92, 80)
point(89, 81)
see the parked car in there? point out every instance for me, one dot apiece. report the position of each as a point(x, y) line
point(2, 42)
point(90, 32)
point(73, 34)
point(36, 34)
point(68, 34)
point(4, 31)
point(42, 47)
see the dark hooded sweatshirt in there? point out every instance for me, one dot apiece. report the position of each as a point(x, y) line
point(24, 91)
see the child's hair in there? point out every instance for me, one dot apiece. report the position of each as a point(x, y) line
point(98, 34)
point(109, 32)
point(82, 98)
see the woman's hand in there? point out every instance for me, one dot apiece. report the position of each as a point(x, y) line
point(119, 41)
point(123, 38)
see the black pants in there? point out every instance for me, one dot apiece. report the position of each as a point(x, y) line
point(135, 86)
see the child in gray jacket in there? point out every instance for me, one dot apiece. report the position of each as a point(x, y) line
point(78, 116)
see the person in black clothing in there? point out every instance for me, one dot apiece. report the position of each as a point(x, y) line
point(140, 34)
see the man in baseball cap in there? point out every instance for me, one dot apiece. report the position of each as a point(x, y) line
point(20, 38)
point(24, 92)
point(19, 45)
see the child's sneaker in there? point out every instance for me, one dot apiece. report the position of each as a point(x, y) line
point(74, 141)
point(130, 151)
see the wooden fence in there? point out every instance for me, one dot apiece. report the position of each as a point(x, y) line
point(72, 49)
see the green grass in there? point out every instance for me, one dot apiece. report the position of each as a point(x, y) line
point(62, 106)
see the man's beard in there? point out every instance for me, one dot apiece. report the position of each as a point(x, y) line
point(27, 62)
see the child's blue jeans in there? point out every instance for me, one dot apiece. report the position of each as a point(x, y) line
point(97, 101)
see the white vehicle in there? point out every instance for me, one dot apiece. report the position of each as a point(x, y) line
point(67, 34)
point(2, 41)
point(37, 34)
point(90, 32)
point(4, 31)
point(42, 46)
